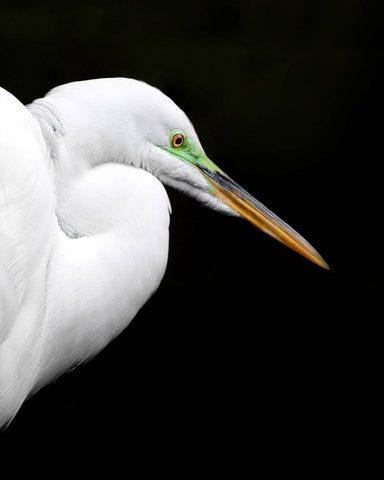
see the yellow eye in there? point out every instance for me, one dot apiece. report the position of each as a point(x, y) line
point(178, 140)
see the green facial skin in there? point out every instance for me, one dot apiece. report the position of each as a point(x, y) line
point(191, 153)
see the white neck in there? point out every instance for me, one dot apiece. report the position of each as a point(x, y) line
point(100, 280)
point(102, 265)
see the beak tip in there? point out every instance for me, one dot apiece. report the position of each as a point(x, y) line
point(322, 263)
point(327, 267)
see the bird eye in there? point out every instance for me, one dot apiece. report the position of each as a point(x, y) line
point(178, 140)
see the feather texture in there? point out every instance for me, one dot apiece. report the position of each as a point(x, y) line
point(79, 253)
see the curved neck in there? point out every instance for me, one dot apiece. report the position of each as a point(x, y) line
point(98, 282)
point(78, 145)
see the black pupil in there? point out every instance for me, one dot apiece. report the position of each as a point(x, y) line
point(178, 140)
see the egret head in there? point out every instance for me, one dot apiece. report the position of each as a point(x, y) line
point(135, 123)
point(177, 158)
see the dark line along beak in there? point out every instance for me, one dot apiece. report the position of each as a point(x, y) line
point(255, 212)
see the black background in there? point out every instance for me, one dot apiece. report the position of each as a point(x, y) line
point(246, 347)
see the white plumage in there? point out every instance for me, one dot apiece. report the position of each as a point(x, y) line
point(83, 241)
point(84, 220)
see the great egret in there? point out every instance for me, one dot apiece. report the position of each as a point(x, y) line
point(84, 220)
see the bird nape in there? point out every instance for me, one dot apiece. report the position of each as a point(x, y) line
point(85, 216)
